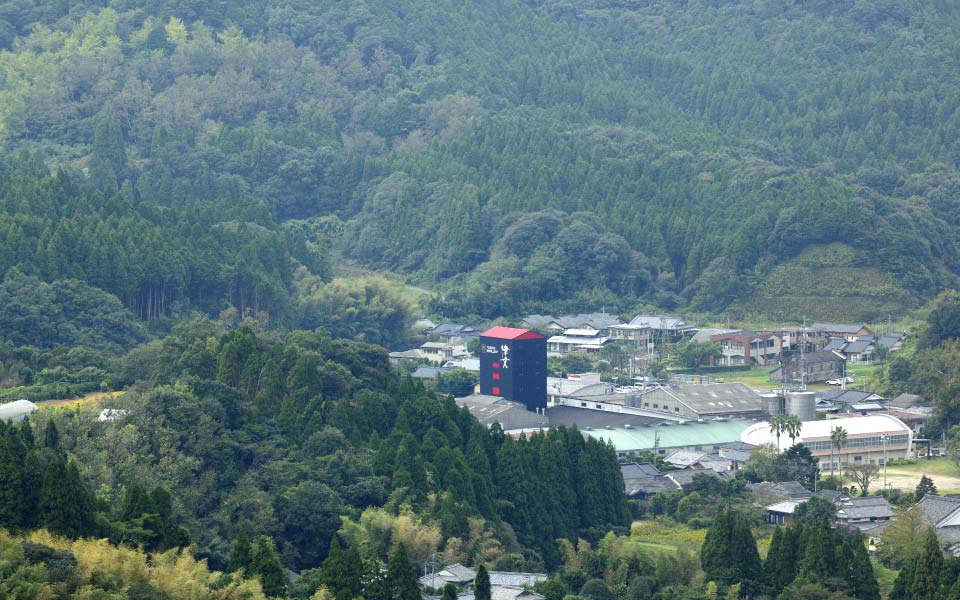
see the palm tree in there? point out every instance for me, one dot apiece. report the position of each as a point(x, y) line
point(838, 439)
point(778, 424)
point(793, 425)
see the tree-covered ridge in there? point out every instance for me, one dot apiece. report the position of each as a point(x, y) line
point(716, 140)
point(302, 437)
point(208, 256)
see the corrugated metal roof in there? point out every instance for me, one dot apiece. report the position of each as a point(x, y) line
point(671, 436)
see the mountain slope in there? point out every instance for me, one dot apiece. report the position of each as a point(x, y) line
point(704, 142)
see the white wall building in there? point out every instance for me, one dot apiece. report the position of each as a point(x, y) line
point(867, 439)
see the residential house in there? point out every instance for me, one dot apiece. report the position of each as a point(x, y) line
point(891, 341)
point(440, 352)
point(859, 351)
point(738, 453)
point(747, 348)
point(457, 574)
point(699, 461)
point(549, 324)
point(943, 514)
point(779, 490)
point(649, 331)
point(842, 330)
point(685, 477)
point(577, 340)
point(781, 513)
point(512, 592)
point(454, 333)
point(642, 488)
point(908, 401)
point(423, 325)
point(515, 579)
point(397, 357)
point(815, 367)
point(848, 399)
point(867, 513)
point(504, 585)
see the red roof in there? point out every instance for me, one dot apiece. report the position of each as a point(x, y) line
point(511, 333)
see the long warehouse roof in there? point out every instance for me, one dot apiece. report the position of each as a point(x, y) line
point(671, 436)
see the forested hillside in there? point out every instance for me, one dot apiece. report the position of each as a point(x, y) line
point(513, 156)
point(300, 438)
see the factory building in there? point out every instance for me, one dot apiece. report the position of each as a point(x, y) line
point(868, 439)
point(513, 365)
point(700, 401)
point(663, 437)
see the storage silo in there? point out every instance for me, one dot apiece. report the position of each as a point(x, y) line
point(772, 404)
point(802, 404)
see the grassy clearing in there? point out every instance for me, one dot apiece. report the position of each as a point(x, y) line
point(87, 400)
point(935, 466)
point(662, 536)
point(759, 378)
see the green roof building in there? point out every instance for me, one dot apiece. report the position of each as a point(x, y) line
point(706, 437)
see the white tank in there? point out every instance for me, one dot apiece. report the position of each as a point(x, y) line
point(802, 404)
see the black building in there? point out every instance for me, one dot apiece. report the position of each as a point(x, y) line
point(513, 365)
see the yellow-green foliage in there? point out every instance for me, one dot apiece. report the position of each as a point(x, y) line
point(104, 571)
point(666, 535)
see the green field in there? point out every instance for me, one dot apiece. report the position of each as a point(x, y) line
point(937, 466)
point(760, 378)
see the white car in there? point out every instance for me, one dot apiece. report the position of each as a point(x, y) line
point(839, 381)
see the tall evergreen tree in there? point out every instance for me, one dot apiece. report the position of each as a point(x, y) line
point(860, 577)
point(51, 436)
point(481, 584)
point(240, 553)
point(265, 564)
point(780, 568)
point(924, 487)
point(11, 480)
point(401, 583)
point(926, 578)
point(341, 571)
point(729, 553)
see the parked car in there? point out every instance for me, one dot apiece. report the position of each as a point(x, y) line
point(840, 381)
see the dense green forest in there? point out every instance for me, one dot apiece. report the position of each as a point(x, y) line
point(302, 437)
point(589, 153)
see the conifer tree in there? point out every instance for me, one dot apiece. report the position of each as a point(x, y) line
point(449, 592)
point(240, 553)
point(729, 553)
point(926, 578)
point(481, 584)
point(401, 583)
point(341, 572)
point(924, 487)
point(903, 584)
point(11, 480)
point(32, 487)
point(51, 436)
point(780, 568)
point(265, 564)
point(860, 577)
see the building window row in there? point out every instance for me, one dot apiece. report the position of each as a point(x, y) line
point(860, 442)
